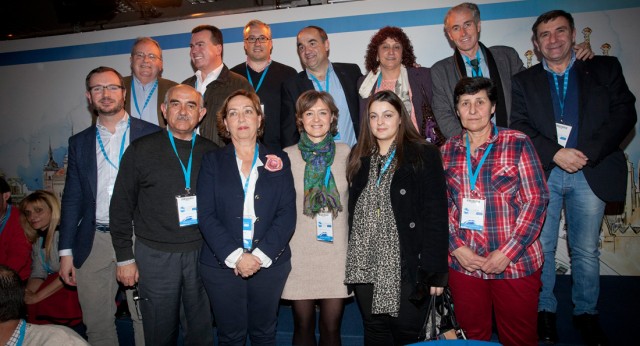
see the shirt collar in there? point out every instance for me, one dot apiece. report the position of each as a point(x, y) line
point(329, 71)
point(462, 143)
point(121, 124)
point(213, 75)
point(143, 86)
point(546, 66)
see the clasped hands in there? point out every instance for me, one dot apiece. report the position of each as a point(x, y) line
point(495, 263)
point(247, 265)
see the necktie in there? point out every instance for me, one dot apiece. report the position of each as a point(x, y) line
point(475, 67)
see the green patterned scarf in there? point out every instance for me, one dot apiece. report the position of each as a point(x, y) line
point(318, 157)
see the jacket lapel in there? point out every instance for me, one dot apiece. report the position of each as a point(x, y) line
point(89, 153)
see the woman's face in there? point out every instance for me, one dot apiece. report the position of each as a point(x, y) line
point(384, 121)
point(390, 54)
point(317, 121)
point(242, 119)
point(475, 111)
point(38, 215)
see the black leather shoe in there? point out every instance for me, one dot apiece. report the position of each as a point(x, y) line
point(589, 327)
point(547, 332)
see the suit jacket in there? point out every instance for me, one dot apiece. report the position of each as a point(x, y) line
point(445, 76)
point(419, 203)
point(606, 111)
point(221, 200)
point(78, 219)
point(420, 83)
point(348, 75)
point(163, 87)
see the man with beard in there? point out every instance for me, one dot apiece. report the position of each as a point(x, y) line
point(144, 87)
point(87, 258)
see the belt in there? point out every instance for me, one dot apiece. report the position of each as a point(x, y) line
point(102, 228)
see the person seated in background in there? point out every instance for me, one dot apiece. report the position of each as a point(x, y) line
point(14, 330)
point(48, 299)
point(15, 249)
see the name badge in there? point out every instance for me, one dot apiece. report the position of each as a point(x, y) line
point(187, 210)
point(472, 214)
point(247, 232)
point(563, 131)
point(324, 227)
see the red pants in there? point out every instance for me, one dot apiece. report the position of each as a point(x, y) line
point(514, 302)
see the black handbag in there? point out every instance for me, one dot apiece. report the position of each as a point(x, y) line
point(440, 322)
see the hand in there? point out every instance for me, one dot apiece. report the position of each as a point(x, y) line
point(496, 263)
point(128, 274)
point(468, 259)
point(30, 297)
point(436, 290)
point(571, 160)
point(67, 271)
point(583, 51)
point(247, 265)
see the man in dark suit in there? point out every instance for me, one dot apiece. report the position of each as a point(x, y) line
point(577, 114)
point(338, 79)
point(87, 258)
point(265, 75)
point(145, 87)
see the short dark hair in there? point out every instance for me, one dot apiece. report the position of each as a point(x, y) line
point(309, 98)
point(473, 85)
point(551, 15)
point(103, 69)
point(11, 295)
point(216, 35)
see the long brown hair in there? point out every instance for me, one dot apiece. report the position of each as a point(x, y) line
point(368, 144)
point(43, 199)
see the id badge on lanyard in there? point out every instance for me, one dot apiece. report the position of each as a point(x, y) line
point(324, 227)
point(563, 131)
point(472, 215)
point(247, 231)
point(187, 210)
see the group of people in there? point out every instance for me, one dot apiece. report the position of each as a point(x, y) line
point(247, 185)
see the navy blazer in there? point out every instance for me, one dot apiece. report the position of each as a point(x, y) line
point(221, 201)
point(78, 219)
point(348, 75)
point(607, 113)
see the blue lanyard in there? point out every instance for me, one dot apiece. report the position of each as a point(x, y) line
point(23, 329)
point(104, 153)
point(326, 81)
point(564, 91)
point(386, 166)
point(327, 175)
point(253, 164)
point(146, 102)
point(473, 73)
point(5, 218)
point(185, 171)
point(47, 268)
point(379, 82)
point(261, 78)
point(473, 176)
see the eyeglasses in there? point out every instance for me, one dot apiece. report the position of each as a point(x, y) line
point(96, 89)
point(253, 39)
point(142, 56)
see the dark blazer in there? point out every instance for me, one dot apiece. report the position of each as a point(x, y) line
point(606, 116)
point(78, 219)
point(221, 200)
point(420, 83)
point(163, 87)
point(419, 202)
point(348, 75)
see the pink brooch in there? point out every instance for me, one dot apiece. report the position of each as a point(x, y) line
point(274, 163)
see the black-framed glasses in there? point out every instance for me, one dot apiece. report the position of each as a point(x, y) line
point(96, 89)
point(253, 39)
point(142, 56)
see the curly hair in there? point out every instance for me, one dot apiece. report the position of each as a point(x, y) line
point(371, 62)
point(222, 113)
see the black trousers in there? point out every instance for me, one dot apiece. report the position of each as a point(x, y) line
point(385, 330)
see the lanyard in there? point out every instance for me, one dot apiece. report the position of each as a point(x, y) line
point(564, 91)
point(468, 61)
point(23, 329)
point(473, 176)
point(326, 81)
point(44, 260)
point(146, 102)
point(253, 164)
point(104, 152)
point(386, 166)
point(327, 175)
point(185, 171)
point(5, 218)
point(261, 77)
point(378, 82)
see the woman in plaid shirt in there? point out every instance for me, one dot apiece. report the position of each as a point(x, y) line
point(497, 199)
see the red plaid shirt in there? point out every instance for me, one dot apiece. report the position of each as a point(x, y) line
point(513, 185)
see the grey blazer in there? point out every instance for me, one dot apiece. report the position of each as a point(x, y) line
point(445, 75)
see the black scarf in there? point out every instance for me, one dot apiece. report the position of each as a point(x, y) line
point(501, 106)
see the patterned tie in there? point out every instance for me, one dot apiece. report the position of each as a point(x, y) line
point(475, 67)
